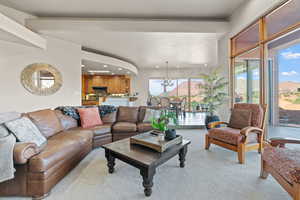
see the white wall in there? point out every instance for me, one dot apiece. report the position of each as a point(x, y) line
point(65, 56)
point(223, 62)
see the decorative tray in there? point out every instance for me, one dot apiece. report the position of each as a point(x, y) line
point(152, 141)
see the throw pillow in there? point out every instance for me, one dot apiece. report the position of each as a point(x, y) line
point(3, 131)
point(240, 118)
point(25, 131)
point(89, 117)
point(150, 114)
point(66, 121)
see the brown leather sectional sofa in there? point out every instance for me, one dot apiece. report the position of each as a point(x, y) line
point(40, 169)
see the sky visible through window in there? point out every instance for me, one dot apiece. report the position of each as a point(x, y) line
point(289, 64)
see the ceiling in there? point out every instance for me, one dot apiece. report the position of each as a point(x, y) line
point(127, 8)
point(146, 33)
point(90, 67)
point(148, 50)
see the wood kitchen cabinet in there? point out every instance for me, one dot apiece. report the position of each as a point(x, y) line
point(116, 84)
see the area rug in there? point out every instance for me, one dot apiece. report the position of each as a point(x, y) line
point(208, 175)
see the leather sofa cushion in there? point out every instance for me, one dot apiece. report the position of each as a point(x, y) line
point(67, 122)
point(97, 130)
point(124, 127)
point(46, 121)
point(142, 111)
point(62, 146)
point(144, 127)
point(128, 114)
point(110, 117)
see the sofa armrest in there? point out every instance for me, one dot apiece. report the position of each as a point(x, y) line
point(214, 124)
point(24, 151)
point(282, 141)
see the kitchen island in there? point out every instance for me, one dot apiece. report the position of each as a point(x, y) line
point(120, 101)
point(111, 100)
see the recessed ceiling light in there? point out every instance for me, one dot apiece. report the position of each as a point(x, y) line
point(98, 71)
point(120, 69)
point(82, 65)
point(156, 66)
point(104, 66)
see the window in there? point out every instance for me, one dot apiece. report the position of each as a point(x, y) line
point(247, 38)
point(247, 77)
point(283, 17)
point(155, 87)
point(188, 88)
point(196, 90)
point(183, 88)
point(240, 92)
point(172, 91)
point(285, 80)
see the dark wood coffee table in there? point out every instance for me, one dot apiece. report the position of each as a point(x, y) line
point(145, 159)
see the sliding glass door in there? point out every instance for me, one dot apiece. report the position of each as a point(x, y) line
point(284, 82)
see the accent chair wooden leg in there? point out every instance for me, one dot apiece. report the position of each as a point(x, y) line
point(296, 191)
point(241, 153)
point(261, 145)
point(207, 142)
point(263, 173)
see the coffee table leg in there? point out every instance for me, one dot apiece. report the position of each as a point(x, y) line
point(110, 161)
point(182, 154)
point(148, 174)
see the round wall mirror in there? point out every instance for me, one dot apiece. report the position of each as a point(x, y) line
point(41, 79)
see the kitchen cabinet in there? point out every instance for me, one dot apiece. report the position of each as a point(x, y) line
point(116, 84)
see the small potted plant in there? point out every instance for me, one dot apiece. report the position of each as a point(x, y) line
point(213, 94)
point(162, 124)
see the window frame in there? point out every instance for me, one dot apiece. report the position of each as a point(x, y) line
point(263, 40)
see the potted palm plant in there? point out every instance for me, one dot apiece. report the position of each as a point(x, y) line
point(162, 124)
point(213, 94)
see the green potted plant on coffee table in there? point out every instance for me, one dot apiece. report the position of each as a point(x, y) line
point(162, 123)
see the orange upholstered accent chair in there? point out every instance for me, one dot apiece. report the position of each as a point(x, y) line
point(240, 140)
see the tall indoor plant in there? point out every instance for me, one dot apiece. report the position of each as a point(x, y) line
point(213, 94)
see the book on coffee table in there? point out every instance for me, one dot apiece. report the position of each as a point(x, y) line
point(152, 141)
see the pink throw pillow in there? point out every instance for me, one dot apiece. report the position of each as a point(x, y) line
point(89, 117)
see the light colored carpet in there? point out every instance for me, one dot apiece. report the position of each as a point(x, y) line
point(209, 175)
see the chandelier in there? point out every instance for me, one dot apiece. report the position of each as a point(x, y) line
point(167, 82)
